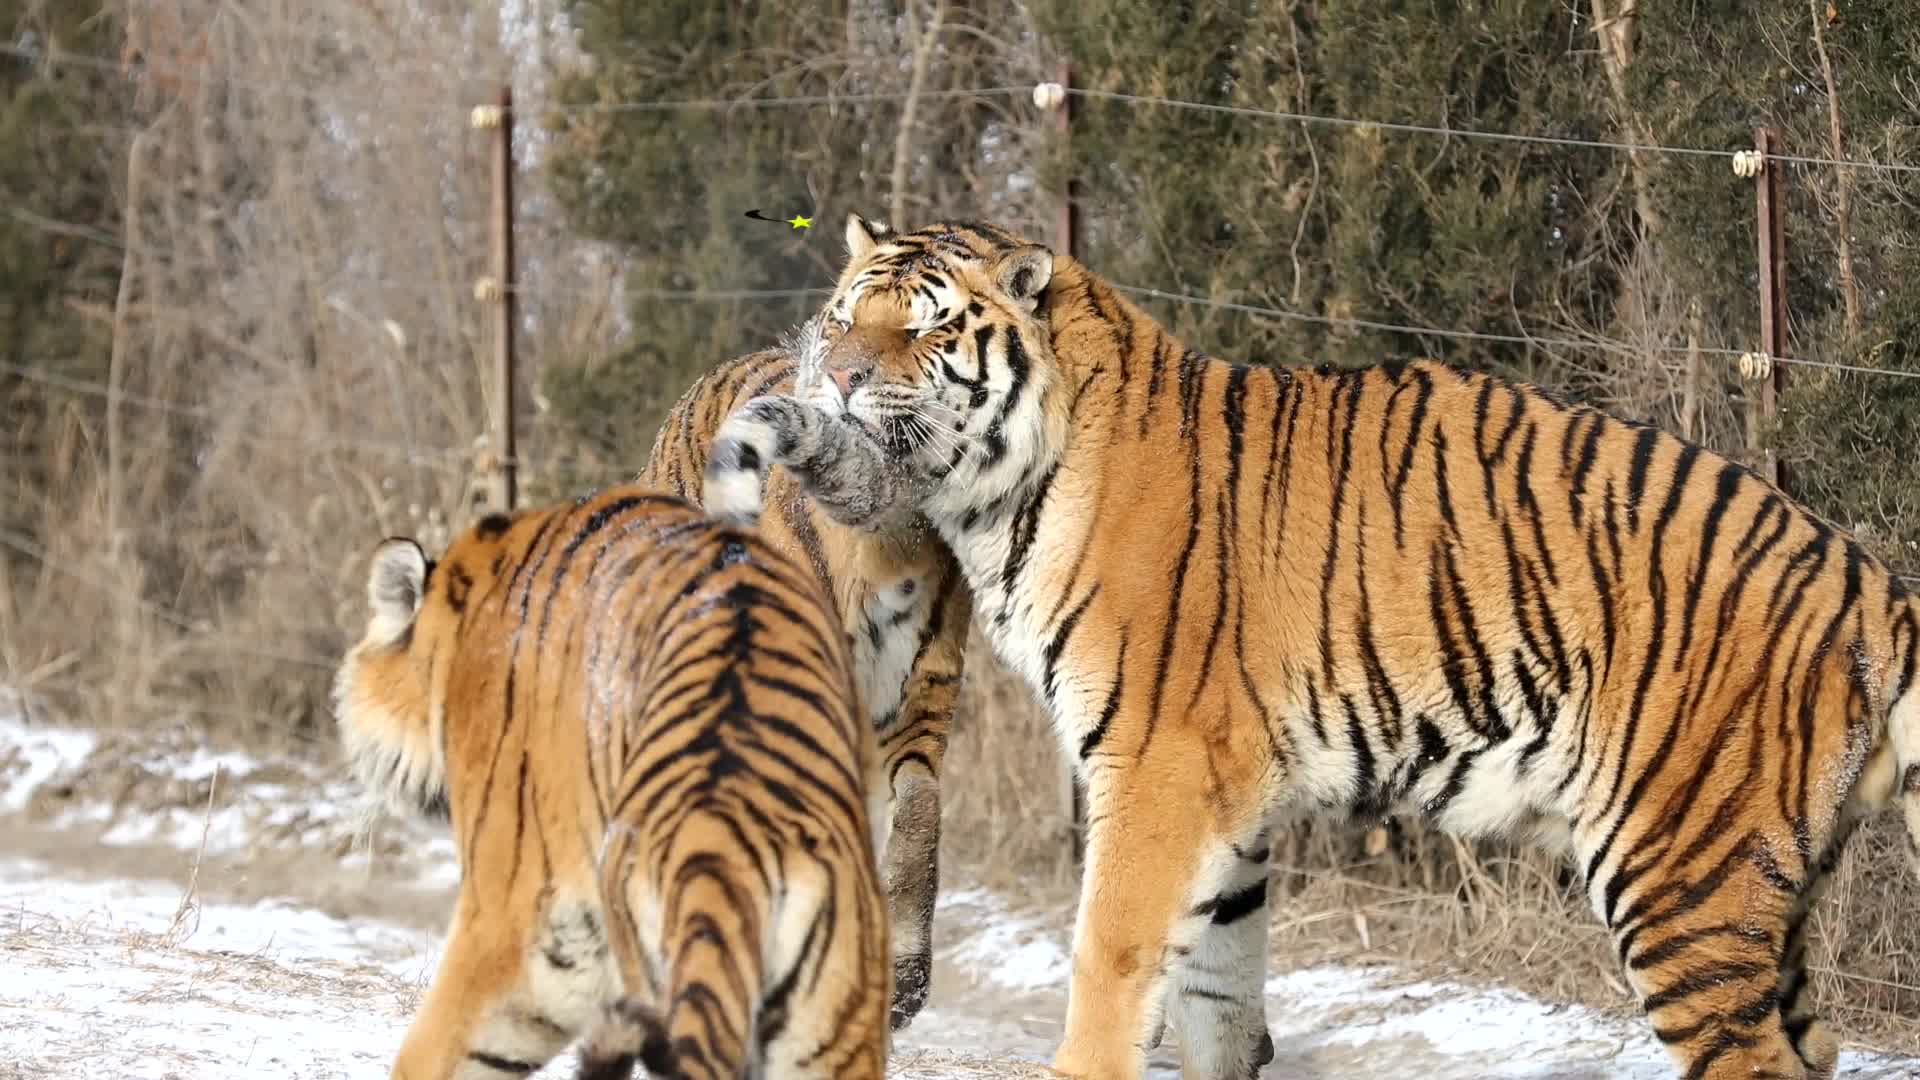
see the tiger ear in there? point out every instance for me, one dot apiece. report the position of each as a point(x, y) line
point(863, 235)
point(396, 582)
point(1023, 274)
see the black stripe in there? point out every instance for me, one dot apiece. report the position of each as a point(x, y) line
point(1091, 741)
point(1644, 446)
point(502, 1064)
point(1583, 464)
point(1058, 644)
point(1530, 506)
point(1342, 463)
point(1396, 490)
point(1726, 487)
point(1363, 769)
point(1230, 908)
point(1179, 583)
point(1026, 523)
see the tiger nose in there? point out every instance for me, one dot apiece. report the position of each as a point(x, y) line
point(850, 376)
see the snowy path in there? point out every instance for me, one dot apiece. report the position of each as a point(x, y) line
point(104, 975)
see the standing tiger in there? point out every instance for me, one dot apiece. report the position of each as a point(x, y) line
point(901, 598)
point(1249, 593)
point(644, 727)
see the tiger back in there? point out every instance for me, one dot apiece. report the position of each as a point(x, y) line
point(906, 611)
point(1250, 593)
point(644, 728)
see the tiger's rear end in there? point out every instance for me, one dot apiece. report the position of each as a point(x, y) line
point(645, 728)
point(905, 610)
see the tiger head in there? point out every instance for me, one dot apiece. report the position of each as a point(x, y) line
point(383, 694)
point(939, 343)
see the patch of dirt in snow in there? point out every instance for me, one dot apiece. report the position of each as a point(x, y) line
point(157, 789)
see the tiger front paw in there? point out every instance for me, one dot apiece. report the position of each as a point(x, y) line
point(744, 449)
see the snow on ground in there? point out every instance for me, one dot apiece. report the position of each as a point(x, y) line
point(106, 972)
point(104, 980)
point(29, 756)
point(1327, 1022)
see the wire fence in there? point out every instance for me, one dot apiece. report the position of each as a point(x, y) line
point(1003, 91)
point(1520, 336)
point(184, 73)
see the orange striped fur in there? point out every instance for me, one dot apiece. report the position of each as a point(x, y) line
point(906, 611)
point(645, 729)
point(1250, 593)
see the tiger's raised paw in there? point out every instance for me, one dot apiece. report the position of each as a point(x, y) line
point(747, 445)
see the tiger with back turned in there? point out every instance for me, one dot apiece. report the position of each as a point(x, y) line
point(901, 598)
point(645, 729)
point(1250, 593)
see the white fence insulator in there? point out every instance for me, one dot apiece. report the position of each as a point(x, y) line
point(487, 290)
point(1748, 163)
point(1756, 365)
point(1049, 95)
point(485, 116)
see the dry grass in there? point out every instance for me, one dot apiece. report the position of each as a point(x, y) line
point(946, 1065)
point(294, 367)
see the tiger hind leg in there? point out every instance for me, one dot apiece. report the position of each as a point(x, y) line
point(826, 1017)
point(1816, 1045)
point(1219, 1004)
point(518, 980)
point(912, 870)
point(1707, 961)
point(1812, 1040)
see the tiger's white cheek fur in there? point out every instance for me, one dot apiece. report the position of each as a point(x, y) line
point(392, 756)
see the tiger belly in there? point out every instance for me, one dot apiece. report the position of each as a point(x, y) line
point(892, 620)
point(1455, 780)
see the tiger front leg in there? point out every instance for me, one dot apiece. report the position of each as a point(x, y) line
point(1157, 868)
point(839, 465)
point(1219, 1004)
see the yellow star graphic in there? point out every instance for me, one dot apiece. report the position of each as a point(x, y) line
point(799, 222)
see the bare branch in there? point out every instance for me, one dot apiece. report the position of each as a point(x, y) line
point(903, 138)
